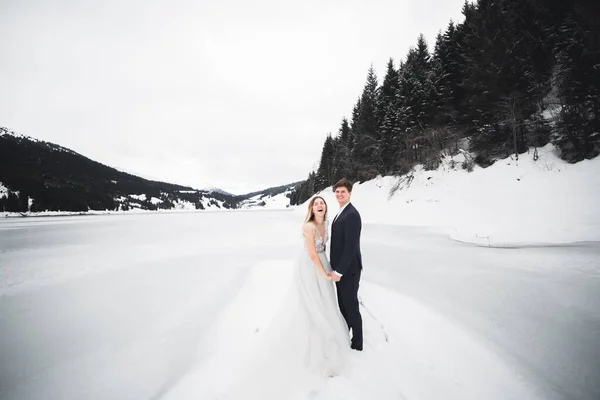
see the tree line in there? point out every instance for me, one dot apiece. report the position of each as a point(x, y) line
point(515, 74)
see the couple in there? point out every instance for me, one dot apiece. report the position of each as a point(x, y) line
point(327, 317)
point(308, 337)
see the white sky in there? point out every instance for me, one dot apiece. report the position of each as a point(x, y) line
point(235, 94)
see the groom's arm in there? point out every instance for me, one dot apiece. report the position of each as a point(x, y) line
point(351, 238)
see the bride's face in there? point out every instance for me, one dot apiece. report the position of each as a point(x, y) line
point(319, 207)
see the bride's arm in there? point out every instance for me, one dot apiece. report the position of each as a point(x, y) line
point(309, 234)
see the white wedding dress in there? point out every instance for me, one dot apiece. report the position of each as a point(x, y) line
point(307, 340)
point(320, 328)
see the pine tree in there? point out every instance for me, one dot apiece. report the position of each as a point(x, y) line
point(365, 132)
point(387, 92)
point(417, 89)
point(12, 202)
point(310, 185)
point(355, 125)
point(325, 172)
point(461, 35)
point(388, 118)
point(23, 201)
point(423, 99)
point(578, 58)
point(482, 70)
point(342, 163)
point(416, 100)
point(447, 65)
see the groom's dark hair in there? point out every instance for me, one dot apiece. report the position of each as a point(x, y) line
point(343, 182)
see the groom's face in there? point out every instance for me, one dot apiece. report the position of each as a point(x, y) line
point(342, 195)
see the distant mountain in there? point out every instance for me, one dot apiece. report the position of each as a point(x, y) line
point(217, 190)
point(273, 197)
point(42, 176)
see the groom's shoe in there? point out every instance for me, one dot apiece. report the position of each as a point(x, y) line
point(356, 347)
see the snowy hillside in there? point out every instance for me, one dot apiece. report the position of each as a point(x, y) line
point(42, 176)
point(267, 201)
point(133, 203)
point(510, 203)
point(52, 146)
point(212, 189)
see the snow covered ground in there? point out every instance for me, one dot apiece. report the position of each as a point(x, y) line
point(170, 306)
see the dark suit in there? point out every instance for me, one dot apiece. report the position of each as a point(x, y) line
point(346, 259)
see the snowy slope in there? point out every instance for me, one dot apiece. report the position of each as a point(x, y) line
point(511, 203)
point(51, 146)
point(270, 202)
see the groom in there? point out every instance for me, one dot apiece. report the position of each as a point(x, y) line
point(346, 259)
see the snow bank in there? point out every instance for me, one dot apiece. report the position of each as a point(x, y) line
point(511, 203)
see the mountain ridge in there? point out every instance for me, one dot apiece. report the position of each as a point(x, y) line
point(44, 176)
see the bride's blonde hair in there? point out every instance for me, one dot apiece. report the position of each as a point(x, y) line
point(310, 216)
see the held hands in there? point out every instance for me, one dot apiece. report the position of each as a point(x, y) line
point(332, 276)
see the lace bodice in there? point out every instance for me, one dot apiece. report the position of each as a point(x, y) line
point(320, 242)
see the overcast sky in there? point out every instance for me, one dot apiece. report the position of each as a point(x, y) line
point(235, 94)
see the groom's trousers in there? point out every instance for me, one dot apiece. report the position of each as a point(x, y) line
point(347, 292)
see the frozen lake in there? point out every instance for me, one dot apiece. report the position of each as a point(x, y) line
point(122, 306)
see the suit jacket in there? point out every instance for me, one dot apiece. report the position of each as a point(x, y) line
point(345, 254)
